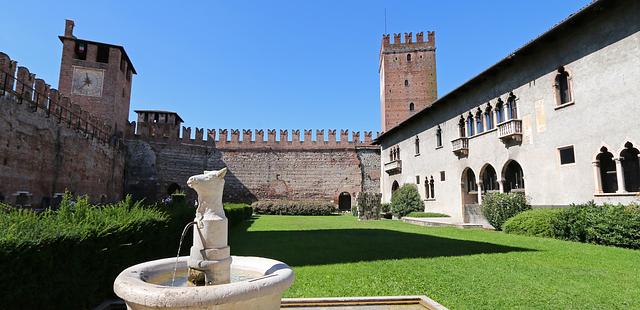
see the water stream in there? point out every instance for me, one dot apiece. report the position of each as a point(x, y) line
point(175, 267)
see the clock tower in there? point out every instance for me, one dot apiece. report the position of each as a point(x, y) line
point(97, 77)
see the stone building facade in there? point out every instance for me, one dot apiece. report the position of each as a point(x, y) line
point(556, 120)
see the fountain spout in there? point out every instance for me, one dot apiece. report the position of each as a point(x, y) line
point(210, 256)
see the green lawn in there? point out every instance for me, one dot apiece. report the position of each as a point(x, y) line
point(462, 269)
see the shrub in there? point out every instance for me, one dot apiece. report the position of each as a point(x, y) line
point(406, 200)
point(426, 214)
point(536, 222)
point(289, 207)
point(499, 207)
point(68, 259)
point(385, 207)
point(237, 212)
point(608, 224)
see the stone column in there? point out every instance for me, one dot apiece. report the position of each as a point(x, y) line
point(620, 175)
point(501, 185)
point(596, 176)
point(479, 184)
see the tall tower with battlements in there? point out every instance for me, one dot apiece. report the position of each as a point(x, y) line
point(407, 76)
point(97, 77)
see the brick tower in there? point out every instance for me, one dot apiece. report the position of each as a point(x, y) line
point(97, 77)
point(407, 76)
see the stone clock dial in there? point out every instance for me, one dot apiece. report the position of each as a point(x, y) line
point(87, 82)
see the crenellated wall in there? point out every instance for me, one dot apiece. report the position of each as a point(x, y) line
point(279, 165)
point(48, 144)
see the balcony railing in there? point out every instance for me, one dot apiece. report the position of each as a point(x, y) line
point(460, 146)
point(393, 167)
point(510, 130)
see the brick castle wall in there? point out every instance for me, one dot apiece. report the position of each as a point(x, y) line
point(287, 168)
point(48, 144)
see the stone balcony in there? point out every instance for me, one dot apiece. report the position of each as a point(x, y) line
point(460, 146)
point(393, 167)
point(510, 130)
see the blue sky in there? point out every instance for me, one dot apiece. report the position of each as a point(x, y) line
point(274, 64)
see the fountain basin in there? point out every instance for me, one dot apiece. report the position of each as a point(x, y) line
point(262, 292)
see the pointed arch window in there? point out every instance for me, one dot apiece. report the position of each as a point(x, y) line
point(470, 128)
point(461, 130)
point(427, 191)
point(608, 173)
point(499, 111)
point(512, 107)
point(630, 167)
point(563, 87)
point(432, 188)
point(412, 107)
point(488, 117)
point(479, 123)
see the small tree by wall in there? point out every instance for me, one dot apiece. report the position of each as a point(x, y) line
point(406, 200)
point(497, 208)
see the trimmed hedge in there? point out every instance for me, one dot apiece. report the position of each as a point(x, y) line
point(406, 200)
point(536, 222)
point(237, 212)
point(614, 225)
point(426, 214)
point(607, 224)
point(497, 208)
point(68, 259)
point(289, 207)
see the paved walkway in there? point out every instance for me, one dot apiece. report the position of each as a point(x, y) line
point(439, 222)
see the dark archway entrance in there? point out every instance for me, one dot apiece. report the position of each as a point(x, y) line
point(173, 188)
point(394, 187)
point(469, 187)
point(514, 177)
point(344, 201)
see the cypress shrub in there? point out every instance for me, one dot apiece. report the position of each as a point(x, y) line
point(406, 200)
point(497, 208)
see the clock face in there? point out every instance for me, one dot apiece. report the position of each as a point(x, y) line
point(87, 82)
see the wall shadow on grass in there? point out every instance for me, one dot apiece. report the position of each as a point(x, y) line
point(333, 246)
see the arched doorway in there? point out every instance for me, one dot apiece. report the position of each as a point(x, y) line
point(173, 188)
point(469, 187)
point(631, 167)
point(344, 201)
point(489, 179)
point(394, 187)
point(513, 177)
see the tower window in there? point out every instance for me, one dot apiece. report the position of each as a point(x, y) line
point(80, 50)
point(406, 82)
point(122, 63)
point(412, 107)
point(408, 57)
point(103, 54)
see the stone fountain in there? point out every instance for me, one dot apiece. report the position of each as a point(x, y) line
point(210, 278)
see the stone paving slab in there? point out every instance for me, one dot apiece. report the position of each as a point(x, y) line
point(438, 222)
point(363, 303)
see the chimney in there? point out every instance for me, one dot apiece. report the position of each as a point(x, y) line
point(68, 28)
